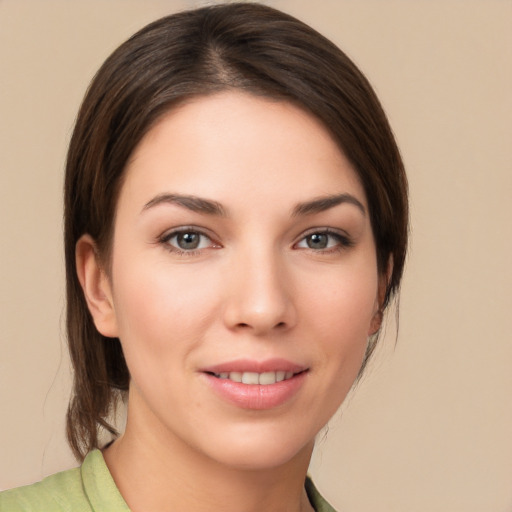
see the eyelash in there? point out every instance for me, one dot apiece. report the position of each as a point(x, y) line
point(166, 237)
point(343, 241)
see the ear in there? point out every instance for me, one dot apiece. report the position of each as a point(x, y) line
point(378, 315)
point(96, 286)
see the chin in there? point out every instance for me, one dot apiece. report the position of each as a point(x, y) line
point(261, 450)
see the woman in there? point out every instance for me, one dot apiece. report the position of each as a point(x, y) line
point(235, 226)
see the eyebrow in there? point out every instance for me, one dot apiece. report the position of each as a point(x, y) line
point(193, 203)
point(209, 207)
point(324, 203)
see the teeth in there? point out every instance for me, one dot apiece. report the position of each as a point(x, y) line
point(263, 379)
point(250, 378)
point(267, 378)
point(235, 376)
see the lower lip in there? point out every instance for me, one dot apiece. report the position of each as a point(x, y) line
point(256, 396)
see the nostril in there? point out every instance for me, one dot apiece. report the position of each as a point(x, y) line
point(243, 325)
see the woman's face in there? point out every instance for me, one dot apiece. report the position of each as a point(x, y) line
point(242, 250)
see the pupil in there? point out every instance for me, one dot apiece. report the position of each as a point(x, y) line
point(317, 241)
point(188, 240)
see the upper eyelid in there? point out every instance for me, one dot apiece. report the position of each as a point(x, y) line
point(166, 237)
point(169, 233)
point(324, 229)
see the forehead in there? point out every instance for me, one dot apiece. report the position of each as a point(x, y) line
point(233, 145)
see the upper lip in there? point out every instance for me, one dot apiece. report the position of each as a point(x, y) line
point(250, 365)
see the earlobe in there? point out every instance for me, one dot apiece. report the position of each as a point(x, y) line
point(96, 286)
point(378, 316)
point(376, 322)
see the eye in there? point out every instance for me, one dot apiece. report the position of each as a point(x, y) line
point(324, 240)
point(187, 240)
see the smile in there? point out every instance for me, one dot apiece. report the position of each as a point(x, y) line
point(256, 385)
point(263, 379)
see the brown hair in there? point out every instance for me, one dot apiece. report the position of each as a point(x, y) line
point(241, 46)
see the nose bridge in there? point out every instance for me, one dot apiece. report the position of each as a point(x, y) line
point(259, 295)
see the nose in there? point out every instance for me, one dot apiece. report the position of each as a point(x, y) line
point(260, 298)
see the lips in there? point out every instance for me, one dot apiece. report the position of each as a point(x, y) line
point(253, 366)
point(256, 385)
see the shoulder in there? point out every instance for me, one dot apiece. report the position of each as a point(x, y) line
point(84, 489)
point(59, 492)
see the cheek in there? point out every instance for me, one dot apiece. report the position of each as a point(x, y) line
point(160, 311)
point(341, 315)
point(346, 304)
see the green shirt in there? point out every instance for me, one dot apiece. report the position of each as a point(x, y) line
point(90, 488)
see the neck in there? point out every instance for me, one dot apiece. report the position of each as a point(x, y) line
point(156, 471)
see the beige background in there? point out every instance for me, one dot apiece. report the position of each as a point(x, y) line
point(430, 426)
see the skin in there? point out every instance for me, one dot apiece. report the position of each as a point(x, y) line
point(260, 285)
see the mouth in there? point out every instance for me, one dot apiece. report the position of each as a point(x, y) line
point(254, 378)
point(256, 385)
